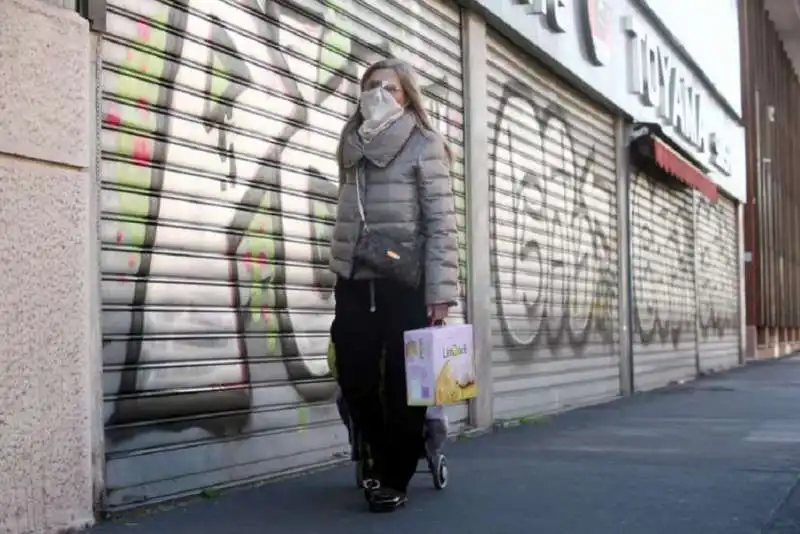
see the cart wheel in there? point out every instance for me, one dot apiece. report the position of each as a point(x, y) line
point(439, 472)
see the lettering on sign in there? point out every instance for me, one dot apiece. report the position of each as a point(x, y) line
point(598, 19)
point(655, 74)
point(662, 83)
point(720, 154)
point(597, 22)
point(554, 12)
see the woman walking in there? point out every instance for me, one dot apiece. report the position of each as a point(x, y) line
point(394, 251)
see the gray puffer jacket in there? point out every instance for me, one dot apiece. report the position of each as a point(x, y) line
point(408, 192)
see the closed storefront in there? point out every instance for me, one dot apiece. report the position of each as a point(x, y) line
point(718, 276)
point(219, 185)
point(554, 250)
point(685, 148)
point(685, 276)
point(663, 271)
point(611, 274)
point(684, 250)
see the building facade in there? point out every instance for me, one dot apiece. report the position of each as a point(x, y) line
point(605, 151)
point(771, 96)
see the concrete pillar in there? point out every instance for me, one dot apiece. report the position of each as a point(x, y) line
point(476, 155)
point(625, 281)
point(762, 342)
point(785, 346)
point(746, 349)
point(774, 342)
point(46, 322)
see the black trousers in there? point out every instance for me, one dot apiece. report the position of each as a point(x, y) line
point(367, 331)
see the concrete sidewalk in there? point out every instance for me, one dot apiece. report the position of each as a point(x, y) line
point(720, 455)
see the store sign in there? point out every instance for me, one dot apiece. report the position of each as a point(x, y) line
point(597, 21)
point(618, 54)
point(660, 81)
point(554, 12)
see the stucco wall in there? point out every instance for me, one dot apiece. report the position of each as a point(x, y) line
point(46, 345)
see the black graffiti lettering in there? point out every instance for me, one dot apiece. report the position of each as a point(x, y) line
point(560, 274)
point(181, 409)
point(322, 210)
point(228, 77)
point(672, 296)
point(126, 406)
point(341, 82)
point(716, 269)
point(269, 175)
point(529, 249)
point(663, 264)
point(228, 69)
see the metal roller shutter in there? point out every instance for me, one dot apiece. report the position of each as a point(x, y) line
point(554, 250)
point(220, 123)
point(717, 283)
point(662, 264)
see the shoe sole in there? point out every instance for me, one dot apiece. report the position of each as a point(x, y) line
point(384, 508)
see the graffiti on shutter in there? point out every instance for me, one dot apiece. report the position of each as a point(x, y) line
point(664, 252)
point(218, 244)
point(662, 265)
point(552, 216)
point(718, 283)
point(554, 240)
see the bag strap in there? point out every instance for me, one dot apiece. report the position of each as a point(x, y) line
point(358, 196)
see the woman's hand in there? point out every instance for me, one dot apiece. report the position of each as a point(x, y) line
point(438, 312)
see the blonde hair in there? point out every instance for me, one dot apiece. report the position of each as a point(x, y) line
point(414, 98)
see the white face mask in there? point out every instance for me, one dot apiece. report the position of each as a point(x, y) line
point(378, 105)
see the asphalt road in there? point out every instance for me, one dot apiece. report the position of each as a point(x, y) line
point(719, 455)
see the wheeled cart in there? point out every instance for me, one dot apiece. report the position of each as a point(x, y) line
point(434, 432)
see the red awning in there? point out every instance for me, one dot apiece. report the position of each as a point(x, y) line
point(668, 159)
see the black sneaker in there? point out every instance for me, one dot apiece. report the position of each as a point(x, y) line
point(383, 500)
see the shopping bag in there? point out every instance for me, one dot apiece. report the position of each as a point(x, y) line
point(440, 365)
